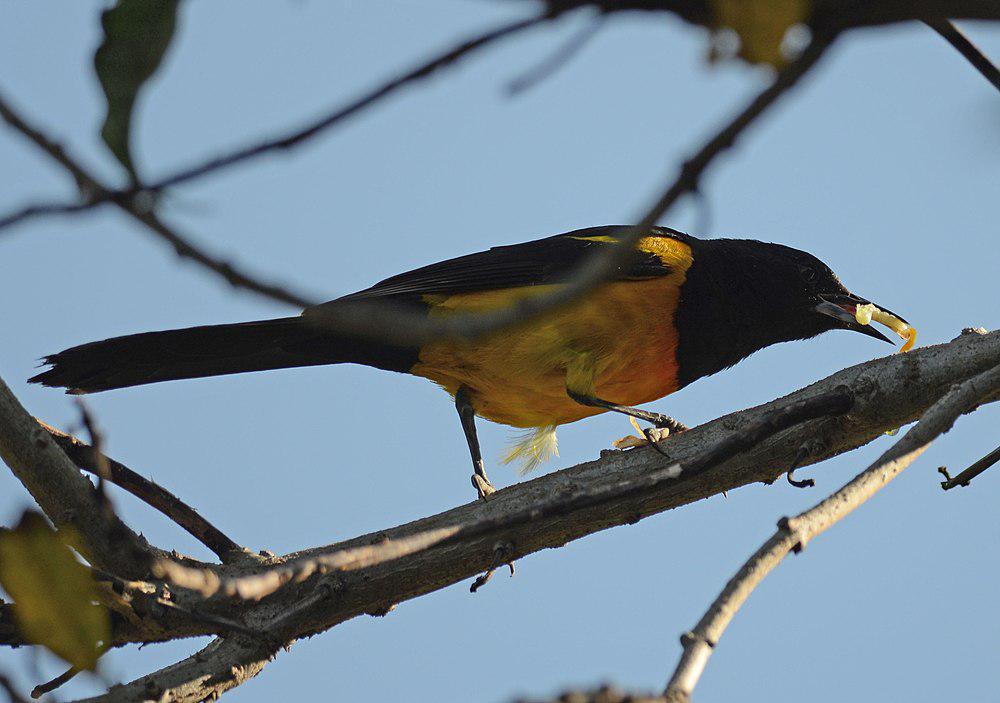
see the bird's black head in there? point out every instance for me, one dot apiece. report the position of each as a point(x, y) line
point(743, 295)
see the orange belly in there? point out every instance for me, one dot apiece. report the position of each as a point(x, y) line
point(518, 376)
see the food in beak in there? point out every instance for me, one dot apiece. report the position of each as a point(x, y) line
point(866, 313)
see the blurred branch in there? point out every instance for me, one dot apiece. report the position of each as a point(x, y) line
point(388, 323)
point(298, 136)
point(50, 686)
point(559, 58)
point(964, 478)
point(371, 320)
point(96, 196)
point(84, 456)
point(138, 207)
point(794, 533)
point(966, 48)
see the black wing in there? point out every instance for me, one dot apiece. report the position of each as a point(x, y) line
point(540, 262)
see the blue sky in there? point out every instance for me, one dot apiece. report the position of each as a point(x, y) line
point(883, 163)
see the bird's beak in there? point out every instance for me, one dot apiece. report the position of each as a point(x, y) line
point(842, 307)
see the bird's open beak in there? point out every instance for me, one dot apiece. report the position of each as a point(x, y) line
point(842, 307)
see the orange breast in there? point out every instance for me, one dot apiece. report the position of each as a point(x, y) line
point(518, 376)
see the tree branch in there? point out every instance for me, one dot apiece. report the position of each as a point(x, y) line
point(286, 141)
point(67, 498)
point(138, 207)
point(368, 319)
point(258, 585)
point(954, 36)
point(224, 664)
point(888, 393)
point(964, 478)
point(389, 323)
point(186, 517)
point(794, 533)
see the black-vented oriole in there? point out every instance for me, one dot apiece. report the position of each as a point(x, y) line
point(682, 308)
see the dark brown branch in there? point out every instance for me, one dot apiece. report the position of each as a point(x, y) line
point(30, 211)
point(138, 207)
point(559, 58)
point(395, 325)
point(794, 533)
point(156, 496)
point(296, 137)
point(372, 320)
point(964, 478)
point(966, 48)
point(50, 686)
point(285, 141)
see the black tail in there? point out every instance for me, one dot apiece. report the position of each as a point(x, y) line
point(216, 350)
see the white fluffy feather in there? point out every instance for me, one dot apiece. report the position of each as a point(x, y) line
point(533, 447)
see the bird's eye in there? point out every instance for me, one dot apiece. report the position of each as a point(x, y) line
point(808, 274)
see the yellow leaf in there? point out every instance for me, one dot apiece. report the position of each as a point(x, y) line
point(761, 25)
point(53, 593)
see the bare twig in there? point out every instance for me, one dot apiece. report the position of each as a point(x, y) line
point(955, 37)
point(794, 533)
point(295, 137)
point(286, 141)
point(148, 492)
point(49, 686)
point(970, 473)
point(389, 323)
point(371, 319)
point(560, 57)
point(30, 211)
point(138, 207)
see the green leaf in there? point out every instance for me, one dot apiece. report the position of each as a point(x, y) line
point(53, 593)
point(761, 25)
point(136, 35)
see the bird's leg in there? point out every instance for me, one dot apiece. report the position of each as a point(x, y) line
point(658, 419)
point(463, 403)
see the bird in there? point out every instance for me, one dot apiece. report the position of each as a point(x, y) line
point(679, 309)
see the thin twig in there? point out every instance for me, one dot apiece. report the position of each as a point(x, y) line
point(955, 37)
point(794, 533)
point(970, 473)
point(284, 141)
point(295, 137)
point(154, 495)
point(559, 58)
point(49, 686)
point(40, 209)
point(375, 320)
point(138, 207)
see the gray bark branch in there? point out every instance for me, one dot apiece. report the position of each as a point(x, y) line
point(888, 392)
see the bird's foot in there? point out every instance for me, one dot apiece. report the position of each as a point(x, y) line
point(483, 486)
point(665, 422)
